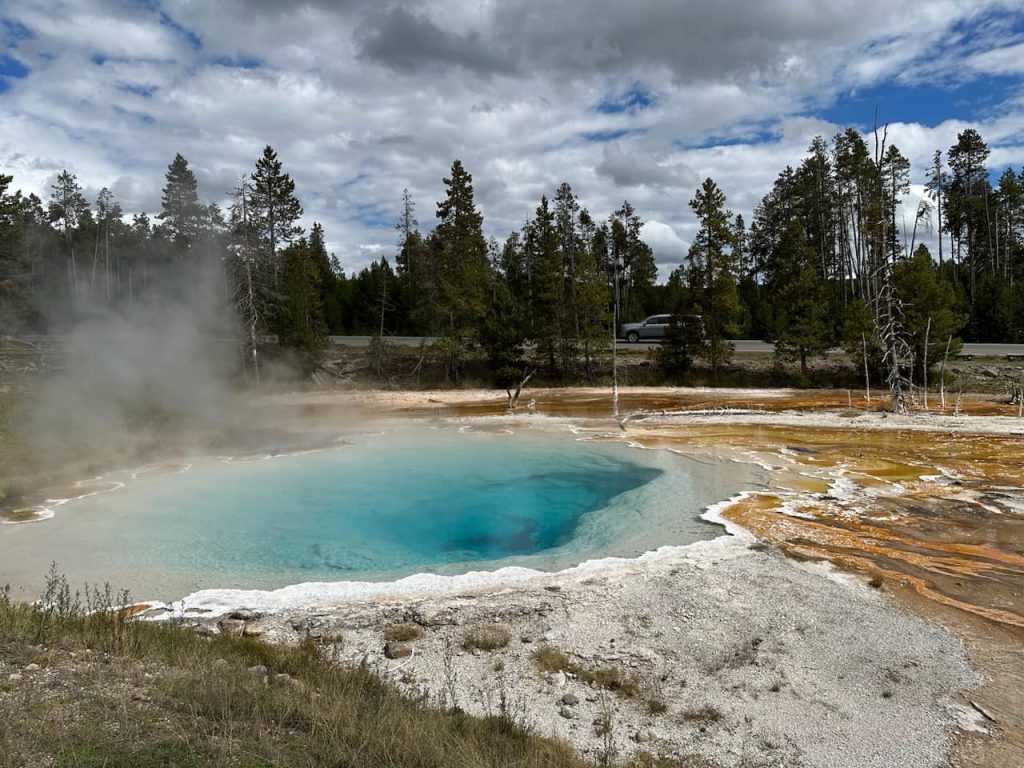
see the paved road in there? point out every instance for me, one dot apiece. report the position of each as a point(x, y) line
point(742, 345)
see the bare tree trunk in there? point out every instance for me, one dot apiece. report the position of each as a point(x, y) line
point(513, 397)
point(867, 377)
point(927, 331)
point(615, 346)
point(942, 374)
point(106, 254)
point(95, 258)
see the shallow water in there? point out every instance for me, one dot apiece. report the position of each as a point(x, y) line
point(380, 506)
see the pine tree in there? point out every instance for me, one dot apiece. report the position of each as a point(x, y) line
point(69, 210)
point(253, 296)
point(15, 287)
point(567, 212)
point(967, 200)
point(108, 217)
point(547, 305)
point(406, 226)
point(592, 307)
point(275, 208)
point(181, 212)
point(300, 322)
point(800, 319)
point(896, 173)
point(713, 272)
point(461, 264)
point(1009, 215)
point(936, 184)
point(633, 259)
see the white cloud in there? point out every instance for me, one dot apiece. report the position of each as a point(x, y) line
point(1008, 60)
point(362, 102)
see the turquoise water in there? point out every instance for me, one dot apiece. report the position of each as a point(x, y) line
point(382, 506)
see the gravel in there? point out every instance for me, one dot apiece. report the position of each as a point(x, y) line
point(758, 661)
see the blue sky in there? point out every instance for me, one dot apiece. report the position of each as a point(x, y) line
point(362, 100)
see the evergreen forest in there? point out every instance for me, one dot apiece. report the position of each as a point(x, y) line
point(830, 258)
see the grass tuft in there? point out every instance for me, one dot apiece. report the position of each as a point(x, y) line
point(549, 659)
point(486, 638)
point(403, 633)
point(704, 715)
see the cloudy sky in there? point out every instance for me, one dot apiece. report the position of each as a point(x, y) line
point(363, 98)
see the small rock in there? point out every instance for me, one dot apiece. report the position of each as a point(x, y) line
point(395, 650)
point(553, 588)
point(556, 679)
point(570, 699)
point(31, 667)
point(643, 736)
point(526, 639)
point(205, 630)
point(231, 626)
point(259, 669)
point(990, 373)
point(568, 713)
point(477, 652)
point(285, 679)
point(14, 677)
point(252, 632)
point(140, 696)
point(243, 614)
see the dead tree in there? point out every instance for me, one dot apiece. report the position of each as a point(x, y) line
point(897, 354)
point(942, 374)
point(924, 367)
point(513, 397)
point(867, 375)
point(249, 294)
point(1017, 396)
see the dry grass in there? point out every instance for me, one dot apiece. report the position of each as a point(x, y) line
point(656, 706)
point(125, 694)
point(486, 638)
point(648, 760)
point(703, 715)
point(403, 633)
point(550, 659)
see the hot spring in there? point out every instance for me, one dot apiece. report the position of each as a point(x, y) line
point(375, 507)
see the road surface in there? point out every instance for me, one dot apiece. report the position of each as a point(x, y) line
point(742, 345)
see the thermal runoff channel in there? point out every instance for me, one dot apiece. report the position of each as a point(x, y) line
point(376, 507)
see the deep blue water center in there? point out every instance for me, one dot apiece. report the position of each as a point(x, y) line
point(406, 504)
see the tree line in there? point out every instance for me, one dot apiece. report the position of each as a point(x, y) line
point(829, 258)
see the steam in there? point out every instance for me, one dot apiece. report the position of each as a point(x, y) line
point(157, 365)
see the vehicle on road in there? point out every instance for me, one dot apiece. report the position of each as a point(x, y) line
point(656, 327)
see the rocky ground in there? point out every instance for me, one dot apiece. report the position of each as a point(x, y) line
point(739, 654)
point(742, 657)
